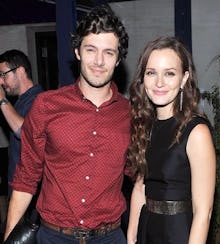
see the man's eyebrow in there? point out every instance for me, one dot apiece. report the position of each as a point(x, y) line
point(106, 49)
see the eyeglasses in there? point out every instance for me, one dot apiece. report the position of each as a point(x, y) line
point(3, 74)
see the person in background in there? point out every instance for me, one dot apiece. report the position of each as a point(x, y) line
point(75, 138)
point(16, 80)
point(3, 175)
point(171, 150)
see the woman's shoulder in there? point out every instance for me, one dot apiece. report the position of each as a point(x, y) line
point(195, 121)
point(199, 119)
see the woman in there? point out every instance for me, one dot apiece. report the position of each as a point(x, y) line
point(171, 151)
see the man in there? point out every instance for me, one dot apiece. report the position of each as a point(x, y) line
point(16, 80)
point(75, 138)
point(3, 175)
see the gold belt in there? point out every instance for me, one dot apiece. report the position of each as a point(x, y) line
point(168, 207)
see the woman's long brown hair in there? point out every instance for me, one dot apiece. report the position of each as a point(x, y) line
point(143, 112)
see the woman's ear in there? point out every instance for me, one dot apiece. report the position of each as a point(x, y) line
point(185, 78)
point(119, 60)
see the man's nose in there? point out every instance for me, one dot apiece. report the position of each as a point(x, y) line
point(1, 81)
point(99, 59)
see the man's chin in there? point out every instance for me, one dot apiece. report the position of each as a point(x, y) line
point(98, 84)
point(9, 93)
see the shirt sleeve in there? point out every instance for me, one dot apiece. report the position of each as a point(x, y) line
point(29, 169)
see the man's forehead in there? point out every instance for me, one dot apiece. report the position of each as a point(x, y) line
point(101, 39)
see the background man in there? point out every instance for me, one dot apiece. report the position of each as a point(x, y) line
point(16, 80)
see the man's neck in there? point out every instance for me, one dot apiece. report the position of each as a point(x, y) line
point(96, 95)
point(24, 87)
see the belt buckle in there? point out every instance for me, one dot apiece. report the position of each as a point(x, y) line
point(81, 234)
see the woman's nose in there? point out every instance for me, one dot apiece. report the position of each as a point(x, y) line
point(159, 81)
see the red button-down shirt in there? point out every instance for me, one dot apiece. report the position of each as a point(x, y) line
point(80, 151)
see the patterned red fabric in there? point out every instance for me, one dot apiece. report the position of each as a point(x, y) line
point(80, 149)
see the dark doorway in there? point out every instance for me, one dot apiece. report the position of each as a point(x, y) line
point(47, 65)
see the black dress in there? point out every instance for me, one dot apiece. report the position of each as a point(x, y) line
point(169, 178)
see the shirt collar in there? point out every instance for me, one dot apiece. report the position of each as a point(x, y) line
point(114, 88)
point(29, 91)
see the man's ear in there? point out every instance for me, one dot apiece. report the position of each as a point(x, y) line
point(76, 50)
point(21, 71)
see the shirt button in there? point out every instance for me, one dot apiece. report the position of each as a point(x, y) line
point(94, 133)
point(87, 177)
point(81, 222)
point(97, 110)
point(83, 200)
point(91, 154)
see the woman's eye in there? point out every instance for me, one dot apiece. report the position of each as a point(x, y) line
point(170, 73)
point(149, 73)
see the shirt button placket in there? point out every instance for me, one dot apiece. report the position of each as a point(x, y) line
point(83, 200)
point(81, 222)
point(87, 177)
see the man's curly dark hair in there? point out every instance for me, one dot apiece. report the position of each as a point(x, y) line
point(101, 19)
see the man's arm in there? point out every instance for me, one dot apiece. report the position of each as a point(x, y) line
point(18, 204)
point(14, 119)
